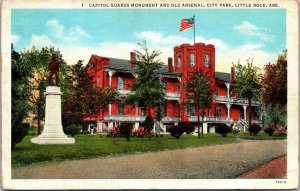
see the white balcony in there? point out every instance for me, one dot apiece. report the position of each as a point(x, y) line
point(224, 99)
point(124, 118)
point(170, 119)
point(211, 119)
point(173, 96)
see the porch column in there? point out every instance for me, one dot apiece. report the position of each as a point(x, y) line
point(228, 88)
point(245, 110)
point(136, 110)
point(136, 126)
point(204, 128)
point(110, 73)
point(228, 105)
point(99, 126)
point(110, 125)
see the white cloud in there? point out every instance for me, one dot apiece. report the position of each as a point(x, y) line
point(155, 38)
point(249, 29)
point(225, 53)
point(59, 32)
point(15, 38)
point(40, 41)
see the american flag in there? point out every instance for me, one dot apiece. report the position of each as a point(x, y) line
point(186, 24)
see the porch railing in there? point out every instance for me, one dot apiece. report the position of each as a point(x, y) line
point(224, 99)
point(211, 119)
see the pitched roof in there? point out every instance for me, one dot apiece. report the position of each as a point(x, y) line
point(116, 63)
point(123, 64)
point(222, 76)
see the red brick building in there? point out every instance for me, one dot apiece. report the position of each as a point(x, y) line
point(225, 108)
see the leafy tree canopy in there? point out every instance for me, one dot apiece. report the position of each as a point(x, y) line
point(37, 60)
point(274, 82)
point(247, 80)
point(199, 94)
point(84, 100)
point(148, 90)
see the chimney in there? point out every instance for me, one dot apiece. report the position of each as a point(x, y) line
point(232, 74)
point(132, 59)
point(170, 64)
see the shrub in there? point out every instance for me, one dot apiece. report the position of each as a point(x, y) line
point(175, 131)
point(18, 133)
point(142, 132)
point(269, 131)
point(223, 129)
point(114, 132)
point(72, 130)
point(125, 130)
point(235, 131)
point(188, 127)
point(281, 131)
point(254, 129)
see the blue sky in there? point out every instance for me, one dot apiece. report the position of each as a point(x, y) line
point(78, 33)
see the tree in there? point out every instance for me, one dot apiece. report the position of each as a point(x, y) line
point(148, 91)
point(274, 82)
point(38, 60)
point(199, 95)
point(19, 105)
point(276, 114)
point(84, 100)
point(247, 82)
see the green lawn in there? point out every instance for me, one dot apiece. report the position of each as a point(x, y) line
point(260, 136)
point(89, 146)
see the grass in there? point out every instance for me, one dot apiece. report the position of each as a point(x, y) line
point(260, 136)
point(90, 146)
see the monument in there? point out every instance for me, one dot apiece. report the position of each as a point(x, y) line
point(53, 130)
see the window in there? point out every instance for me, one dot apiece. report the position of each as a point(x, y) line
point(92, 65)
point(218, 112)
point(120, 108)
point(255, 113)
point(192, 60)
point(216, 93)
point(178, 61)
point(191, 110)
point(241, 113)
point(120, 83)
point(206, 60)
point(98, 81)
point(143, 111)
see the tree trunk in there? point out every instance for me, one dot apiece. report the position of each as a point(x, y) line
point(198, 120)
point(250, 112)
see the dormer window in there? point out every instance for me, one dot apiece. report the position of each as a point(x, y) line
point(178, 61)
point(92, 65)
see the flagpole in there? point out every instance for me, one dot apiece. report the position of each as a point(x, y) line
point(194, 27)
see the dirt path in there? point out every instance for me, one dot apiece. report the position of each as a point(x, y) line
point(220, 161)
point(274, 169)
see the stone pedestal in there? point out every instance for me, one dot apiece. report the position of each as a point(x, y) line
point(53, 130)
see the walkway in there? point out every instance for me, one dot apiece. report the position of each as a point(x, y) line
point(220, 161)
point(274, 169)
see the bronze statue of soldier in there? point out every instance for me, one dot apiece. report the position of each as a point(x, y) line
point(53, 68)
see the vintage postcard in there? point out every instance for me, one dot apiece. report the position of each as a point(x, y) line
point(198, 94)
